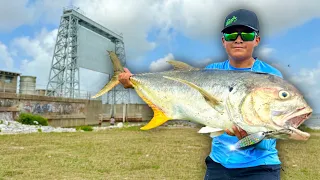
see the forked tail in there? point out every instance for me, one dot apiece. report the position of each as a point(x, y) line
point(117, 69)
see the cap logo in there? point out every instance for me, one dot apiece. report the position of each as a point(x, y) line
point(232, 20)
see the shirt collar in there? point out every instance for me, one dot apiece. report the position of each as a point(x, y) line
point(252, 68)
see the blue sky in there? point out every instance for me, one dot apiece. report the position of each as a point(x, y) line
point(154, 31)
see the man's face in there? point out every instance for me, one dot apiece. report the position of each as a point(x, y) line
point(239, 49)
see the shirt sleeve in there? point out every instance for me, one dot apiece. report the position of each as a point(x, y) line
point(266, 144)
point(210, 66)
point(277, 73)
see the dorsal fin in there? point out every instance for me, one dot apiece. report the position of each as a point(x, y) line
point(179, 65)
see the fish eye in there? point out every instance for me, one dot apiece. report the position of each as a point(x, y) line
point(284, 94)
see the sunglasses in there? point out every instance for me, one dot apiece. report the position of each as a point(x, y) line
point(245, 36)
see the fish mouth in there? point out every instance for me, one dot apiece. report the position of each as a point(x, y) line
point(294, 120)
point(297, 120)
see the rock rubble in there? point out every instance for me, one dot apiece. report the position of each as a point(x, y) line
point(14, 127)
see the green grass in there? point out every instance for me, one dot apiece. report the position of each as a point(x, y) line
point(84, 128)
point(162, 153)
point(301, 160)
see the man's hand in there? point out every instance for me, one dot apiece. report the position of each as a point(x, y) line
point(240, 133)
point(124, 78)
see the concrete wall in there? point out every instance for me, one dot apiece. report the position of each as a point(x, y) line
point(127, 112)
point(66, 112)
point(6, 86)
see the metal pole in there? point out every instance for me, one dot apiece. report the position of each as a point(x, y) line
point(123, 112)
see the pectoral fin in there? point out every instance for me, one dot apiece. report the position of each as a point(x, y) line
point(178, 65)
point(213, 131)
point(211, 100)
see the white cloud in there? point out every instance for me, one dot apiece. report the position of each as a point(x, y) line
point(201, 20)
point(15, 14)
point(161, 64)
point(280, 67)
point(48, 11)
point(202, 63)
point(264, 51)
point(24, 12)
point(307, 81)
point(309, 77)
point(39, 51)
point(135, 19)
point(5, 57)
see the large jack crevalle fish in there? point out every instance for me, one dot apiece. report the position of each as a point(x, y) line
point(218, 99)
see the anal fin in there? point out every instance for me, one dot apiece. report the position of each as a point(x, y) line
point(159, 117)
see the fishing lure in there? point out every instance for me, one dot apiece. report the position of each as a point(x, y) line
point(250, 140)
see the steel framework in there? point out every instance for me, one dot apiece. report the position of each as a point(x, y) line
point(64, 75)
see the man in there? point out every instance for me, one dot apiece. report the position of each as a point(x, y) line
point(240, 37)
point(112, 121)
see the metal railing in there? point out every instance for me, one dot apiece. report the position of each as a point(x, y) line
point(71, 7)
point(42, 92)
